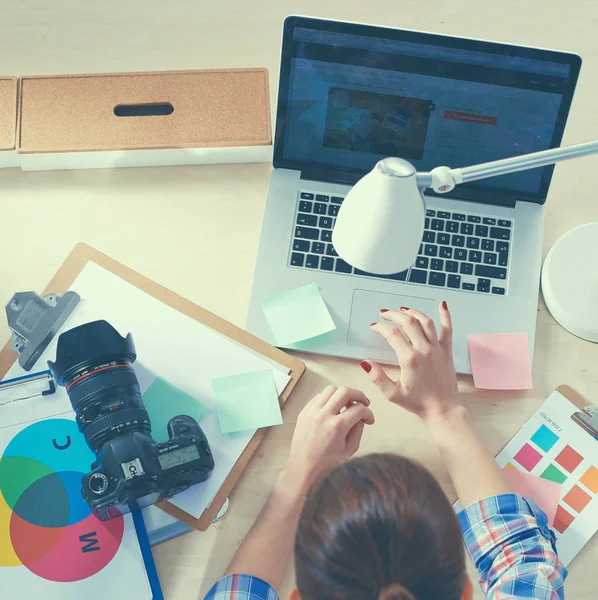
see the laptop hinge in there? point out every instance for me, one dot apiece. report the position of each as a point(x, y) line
point(459, 193)
point(330, 176)
point(467, 195)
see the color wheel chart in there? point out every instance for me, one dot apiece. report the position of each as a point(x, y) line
point(552, 446)
point(45, 525)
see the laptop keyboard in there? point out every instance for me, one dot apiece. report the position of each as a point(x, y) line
point(459, 250)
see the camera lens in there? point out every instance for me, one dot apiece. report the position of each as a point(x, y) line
point(94, 363)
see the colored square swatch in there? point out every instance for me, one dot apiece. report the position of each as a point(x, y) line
point(544, 438)
point(510, 466)
point(562, 520)
point(527, 457)
point(569, 459)
point(553, 474)
point(500, 361)
point(590, 479)
point(576, 498)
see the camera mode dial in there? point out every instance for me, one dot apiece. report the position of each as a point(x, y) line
point(98, 483)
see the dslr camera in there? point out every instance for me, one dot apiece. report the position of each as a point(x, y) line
point(131, 470)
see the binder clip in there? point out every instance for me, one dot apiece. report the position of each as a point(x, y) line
point(35, 320)
point(26, 387)
point(587, 420)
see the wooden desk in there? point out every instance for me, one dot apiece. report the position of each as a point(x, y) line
point(196, 229)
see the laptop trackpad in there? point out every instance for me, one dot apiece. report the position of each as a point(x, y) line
point(365, 309)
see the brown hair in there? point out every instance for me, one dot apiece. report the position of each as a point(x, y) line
point(379, 527)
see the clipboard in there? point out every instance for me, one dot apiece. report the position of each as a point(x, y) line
point(64, 278)
point(557, 443)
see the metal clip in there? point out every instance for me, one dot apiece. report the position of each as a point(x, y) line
point(35, 321)
point(28, 386)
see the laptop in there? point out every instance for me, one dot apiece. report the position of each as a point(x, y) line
point(350, 95)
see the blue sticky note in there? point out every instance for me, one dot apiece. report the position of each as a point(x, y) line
point(164, 401)
point(544, 438)
point(297, 315)
point(247, 401)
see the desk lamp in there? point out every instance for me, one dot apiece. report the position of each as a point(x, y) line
point(380, 226)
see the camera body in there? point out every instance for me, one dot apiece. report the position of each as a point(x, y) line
point(131, 470)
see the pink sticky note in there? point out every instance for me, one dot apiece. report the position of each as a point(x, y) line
point(545, 493)
point(500, 361)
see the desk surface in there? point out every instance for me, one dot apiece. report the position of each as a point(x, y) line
point(196, 229)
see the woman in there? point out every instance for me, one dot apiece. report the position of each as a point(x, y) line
point(380, 526)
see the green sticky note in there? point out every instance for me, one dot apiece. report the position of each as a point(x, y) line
point(247, 401)
point(297, 315)
point(553, 474)
point(163, 401)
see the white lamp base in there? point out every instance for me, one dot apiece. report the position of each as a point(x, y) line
point(570, 281)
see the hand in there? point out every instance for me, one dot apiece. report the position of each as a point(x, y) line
point(428, 383)
point(328, 432)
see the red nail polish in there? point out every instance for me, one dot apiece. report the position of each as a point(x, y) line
point(404, 308)
point(384, 310)
point(372, 324)
point(365, 366)
point(444, 304)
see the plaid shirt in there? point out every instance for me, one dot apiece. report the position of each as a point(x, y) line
point(508, 539)
point(513, 549)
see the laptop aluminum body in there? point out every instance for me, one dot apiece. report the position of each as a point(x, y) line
point(352, 94)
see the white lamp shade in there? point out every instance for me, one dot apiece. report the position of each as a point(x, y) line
point(380, 225)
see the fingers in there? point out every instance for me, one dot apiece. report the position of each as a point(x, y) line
point(446, 328)
point(323, 397)
point(381, 380)
point(345, 396)
point(397, 341)
point(410, 325)
point(426, 324)
point(353, 439)
point(354, 414)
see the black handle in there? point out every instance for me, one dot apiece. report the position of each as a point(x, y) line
point(154, 109)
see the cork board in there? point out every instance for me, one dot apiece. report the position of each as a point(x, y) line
point(8, 112)
point(214, 108)
point(64, 278)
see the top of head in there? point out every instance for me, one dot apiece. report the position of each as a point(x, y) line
point(395, 591)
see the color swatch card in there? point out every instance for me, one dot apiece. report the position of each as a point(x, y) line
point(51, 545)
point(553, 447)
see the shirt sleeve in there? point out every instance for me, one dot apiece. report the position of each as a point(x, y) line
point(241, 587)
point(513, 549)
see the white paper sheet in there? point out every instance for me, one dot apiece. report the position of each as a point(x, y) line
point(178, 348)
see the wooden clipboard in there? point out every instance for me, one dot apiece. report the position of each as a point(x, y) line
point(570, 394)
point(64, 278)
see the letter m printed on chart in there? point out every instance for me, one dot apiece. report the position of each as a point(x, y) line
point(89, 542)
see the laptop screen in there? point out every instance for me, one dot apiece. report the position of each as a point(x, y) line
point(351, 95)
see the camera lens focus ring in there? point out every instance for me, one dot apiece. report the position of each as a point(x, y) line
point(129, 419)
point(100, 382)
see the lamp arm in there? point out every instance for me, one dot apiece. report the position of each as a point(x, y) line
point(444, 179)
